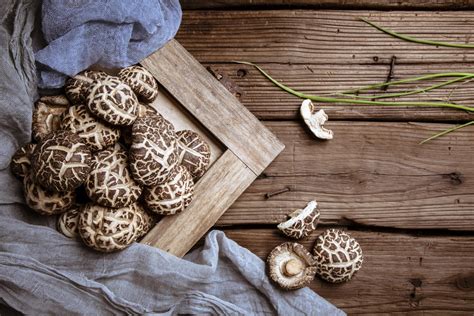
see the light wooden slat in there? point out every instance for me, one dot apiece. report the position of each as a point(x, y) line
point(215, 192)
point(213, 106)
point(371, 173)
point(440, 267)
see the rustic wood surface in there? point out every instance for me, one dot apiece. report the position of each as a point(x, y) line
point(411, 206)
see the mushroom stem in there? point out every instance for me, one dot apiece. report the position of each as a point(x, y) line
point(293, 267)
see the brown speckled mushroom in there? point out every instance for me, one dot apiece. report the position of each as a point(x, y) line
point(291, 266)
point(338, 256)
point(301, 222)
point(153, 151)
point(108, 229)
point(112, 101)
point(77, 87)
point(93, 132)
point(141, 81)
point(61, 162)
point(21, 161)
point(110, 183)
point(172, 196)
point(143, 110)
point(47, 115)
point(147, 221)
point(67, 223)
point(194, 152)
point(46, 202)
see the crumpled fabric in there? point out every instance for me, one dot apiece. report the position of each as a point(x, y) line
point(42, 272)
point(106, 33)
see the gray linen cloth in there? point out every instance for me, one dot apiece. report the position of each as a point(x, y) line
point(43, 272)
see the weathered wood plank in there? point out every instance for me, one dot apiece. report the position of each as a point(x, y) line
point(400, 274)
point(213, 106)
point(215, 192)
point(331, 4)
point(371, 173)
point(268, 102)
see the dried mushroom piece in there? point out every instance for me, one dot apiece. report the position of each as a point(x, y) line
point(141, 81)
point(147, 221)
point(315, 121)
point(194, 152)
point(291, 266)
point(68, 222)
point(47, 115)
point(93, 132)
point(338, 256)
point(109, 182)
point(108, 229)
point(143, 110)
point(77, 87)
point(173, 196)
point(21, 161)
point(61, 162)
point(112, 101)
point(301, 222)
point(152, 154)
point(46, 202)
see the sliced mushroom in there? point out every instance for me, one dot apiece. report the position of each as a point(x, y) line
point(338, 256)
point(291, 266)
point(301, 222)
point(47, 115)
point(21, 160)
point(315, 121)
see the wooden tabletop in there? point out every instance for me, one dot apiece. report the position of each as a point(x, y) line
point(410, 206)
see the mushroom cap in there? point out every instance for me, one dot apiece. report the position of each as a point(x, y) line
point(46, 202)
point(338, 256)
point(109, 182)
point(291, 266)
point(302, 222)
point(143, 110)
point(315, 121)
point(147, 221)
point(194, 152)
point(61, 162)
point(141, 81)
point(77, 87)
point(93, 132)
point(47, 115)
point(21, 161)
point(67, 223)
point(112, 101)
point(108, 229)
point(152, 154)
point(173, 196)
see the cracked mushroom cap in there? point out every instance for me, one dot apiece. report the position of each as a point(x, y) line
point(112, 101)
point(68, 222)
point(93, 132)
point(21, 161)
point(291, 266)
point(110, 183)
point(77, 87)
point(301, 222)
point(194, 152)
point(46, 202)
point(153, 153)
point(147, 221)
point(173, 196)
point(47, 115)
point(143, 110)
point(61, 162)
point(141, 81)
point(338, 256)
point(108, 229)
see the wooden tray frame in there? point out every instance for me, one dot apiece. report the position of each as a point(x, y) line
point(250, 146)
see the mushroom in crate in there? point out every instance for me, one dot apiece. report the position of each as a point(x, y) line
point(47, 115)
point(68, 222)
point(141, 81)
point(338, 256)
point(78, 86)
point(21, 160)
point(194, 152)
point(301, 222)
point(291, 266)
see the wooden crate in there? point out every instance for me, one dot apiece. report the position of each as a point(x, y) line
point(241, 146)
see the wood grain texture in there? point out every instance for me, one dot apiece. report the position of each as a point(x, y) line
point(371, 173)
point(220, 186)
point(213, 106)
point(401, 273)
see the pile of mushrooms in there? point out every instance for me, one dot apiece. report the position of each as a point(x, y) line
point(336, 256)
point(105, 139)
